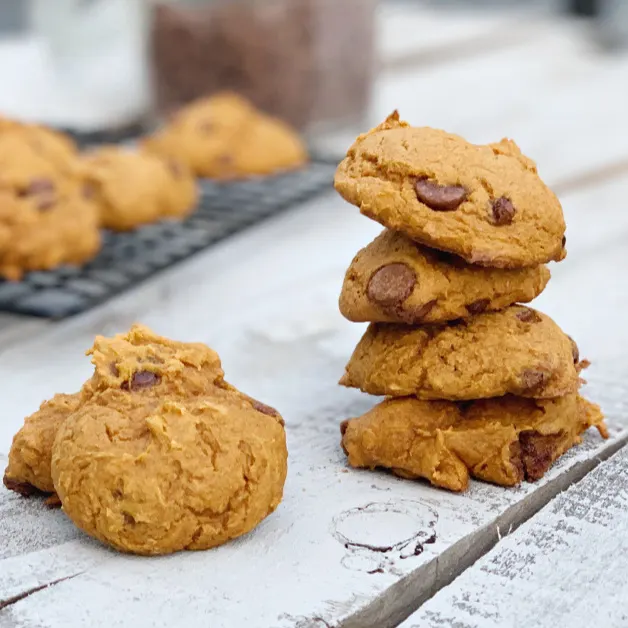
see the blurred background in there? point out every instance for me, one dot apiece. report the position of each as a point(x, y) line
point(93, 64)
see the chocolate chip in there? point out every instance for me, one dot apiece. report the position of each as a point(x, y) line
point(564, 241)
point(527, 315)
point(391, 285)
point(39, 186)
point(113, 369)
point(343, 427)
point(503, 211)
point(46, 201)
point(538, 451)
point(574, 350)
point(477, 307)
point(441, 198)
point(129, 520)
point(419, 313)
point(263, 408)
point(175, 168)
point(531, 379)
point(23, 488)
point(516, 459)
point(141, 380)
point(88, 191)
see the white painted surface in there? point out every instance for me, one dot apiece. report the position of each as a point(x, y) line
point(565, 567)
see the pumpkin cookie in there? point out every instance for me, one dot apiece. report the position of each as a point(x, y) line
point(396, 280)
point(28, 470)
point(224, 137)
point(486, 204)
point(44, 224)
point(502, 441)
point(517, 350)
point(133, 188)
point(165, 455)
point(54, 147)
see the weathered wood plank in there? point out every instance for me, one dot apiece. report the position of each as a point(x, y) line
point(349, 548)
point(565, 567)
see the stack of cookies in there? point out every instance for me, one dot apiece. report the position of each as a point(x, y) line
point(475, 384)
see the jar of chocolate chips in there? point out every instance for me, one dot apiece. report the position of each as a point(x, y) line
point(309, 62)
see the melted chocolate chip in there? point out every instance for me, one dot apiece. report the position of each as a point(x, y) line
point(527, 315)
point(503, 211)
point(441, 198)
point(263, 408)
point(88, 191)
point(419, 313)
point(538, 451)
point(391, 285)
point(175, 168)
point(22, 488)
point(141, 380)
point(39, 186)
point(477, 307)
point(531, 379)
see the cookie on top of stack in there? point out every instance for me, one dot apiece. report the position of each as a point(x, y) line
point(475, 385)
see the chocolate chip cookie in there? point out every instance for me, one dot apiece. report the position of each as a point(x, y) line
point(486, 204)
point(503, 441)
point(163, 454)
point(43, 224)
point(225, 137)
point(28, 470)
point(396, 280)
point(517, 350)
point(132, 188)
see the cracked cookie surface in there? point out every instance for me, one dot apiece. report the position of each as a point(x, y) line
point(517, 350)
point(486, 204)
point(503, 441)
point(163, 454)
point(396, 280)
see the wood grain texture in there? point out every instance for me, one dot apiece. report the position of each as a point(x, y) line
point(345, 548)
point(565, 567)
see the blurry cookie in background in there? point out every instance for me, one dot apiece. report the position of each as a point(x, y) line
point(52, 146)
point(45, 226)
point(225, 137)
point(132, 188)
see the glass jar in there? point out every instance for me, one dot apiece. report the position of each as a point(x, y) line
point(309, 62)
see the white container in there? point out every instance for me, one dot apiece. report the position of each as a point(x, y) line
point(95, 53)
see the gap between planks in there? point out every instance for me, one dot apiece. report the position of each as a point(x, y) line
point(450, 566)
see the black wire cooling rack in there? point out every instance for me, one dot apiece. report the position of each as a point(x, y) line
point(126, 259)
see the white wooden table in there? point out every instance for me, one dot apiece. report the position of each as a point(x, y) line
point(349, 548)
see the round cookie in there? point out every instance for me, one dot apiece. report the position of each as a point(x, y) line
point(43, 225)
point(503, 441)
point(396, 280)
point(224, 137)
point(486, 204)
point(165, 455)
point(54, 147)
point(28, 470)
point(133, 188)
point(517, 350)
